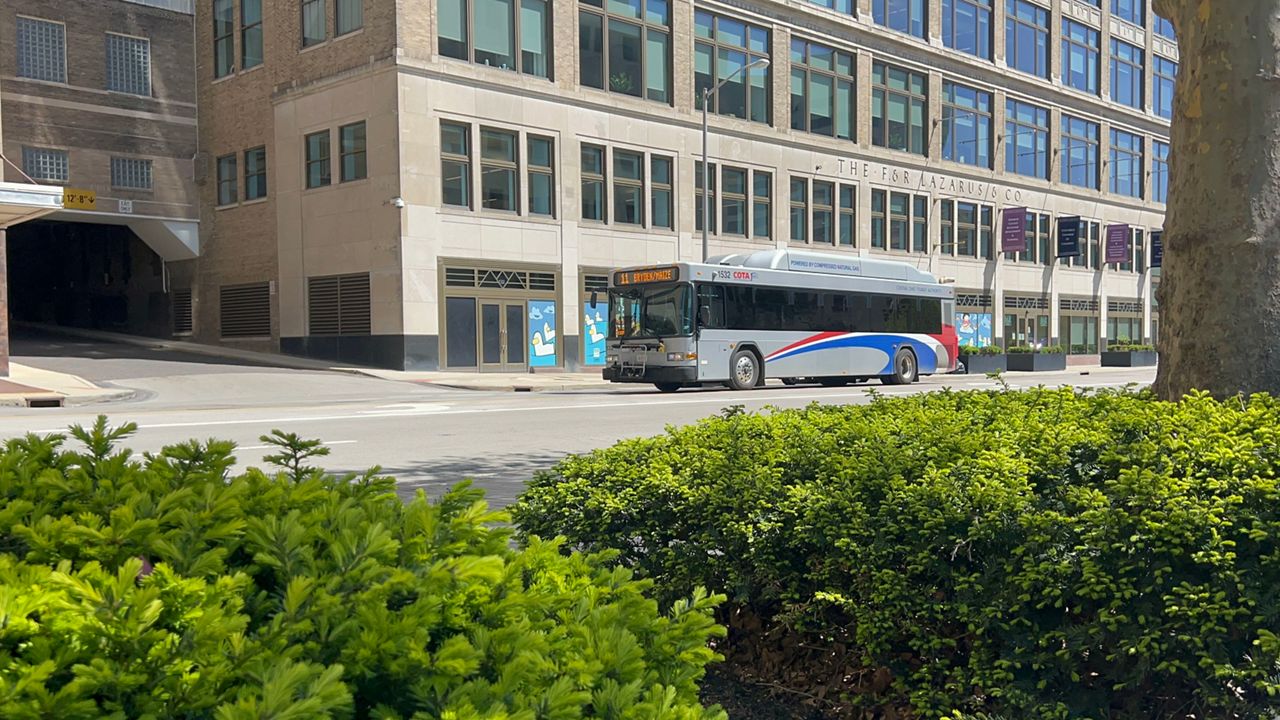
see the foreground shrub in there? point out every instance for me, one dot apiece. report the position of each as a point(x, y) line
point(160, 587)
point(1029, 555)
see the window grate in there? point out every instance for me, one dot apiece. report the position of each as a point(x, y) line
point(1026, 303)
point(1124, 306)
point(499, 279)
point(460, 277)
point(46, 165)
point(503, 279)
point(542, 281)
point(131, 173)
point(42, 50)
point(597, 283)
point(978, 301)
point(339, 304)
point(128, 65)
point(1077, 305)
point(245, 310)
point(183, 320)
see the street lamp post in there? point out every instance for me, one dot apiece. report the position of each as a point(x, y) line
point(707, 94)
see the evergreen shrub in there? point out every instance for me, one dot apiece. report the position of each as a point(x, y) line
point(1039, 554)
point(162, 586)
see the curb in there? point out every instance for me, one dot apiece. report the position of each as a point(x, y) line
point(454, 385)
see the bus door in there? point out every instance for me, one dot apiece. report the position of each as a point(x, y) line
point(713, 340)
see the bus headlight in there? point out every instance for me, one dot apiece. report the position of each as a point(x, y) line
point(611, 359)
point(681, 357)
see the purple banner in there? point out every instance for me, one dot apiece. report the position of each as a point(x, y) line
point(1118, 244)
point(1013, 230)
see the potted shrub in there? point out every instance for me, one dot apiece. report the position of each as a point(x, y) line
point(982, 360)
point(1129, 355)
point(1026, 358)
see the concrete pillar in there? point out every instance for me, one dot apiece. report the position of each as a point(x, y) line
point(4, 305)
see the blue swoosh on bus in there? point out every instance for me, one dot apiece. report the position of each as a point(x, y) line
point(926, 354)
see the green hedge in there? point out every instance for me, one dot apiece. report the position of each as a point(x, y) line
point(1031, 555)
point(161, 587)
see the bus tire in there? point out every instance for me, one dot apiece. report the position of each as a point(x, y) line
point(905, 369)
point(668, 387)
point(790, 381)
point(744, 370)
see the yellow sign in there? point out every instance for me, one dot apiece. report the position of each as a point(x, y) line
point(648, 275)
point(73, 199)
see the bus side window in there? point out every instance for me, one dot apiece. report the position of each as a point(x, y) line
point(711, 297)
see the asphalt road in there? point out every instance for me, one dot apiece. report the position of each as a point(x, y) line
point(426, 437)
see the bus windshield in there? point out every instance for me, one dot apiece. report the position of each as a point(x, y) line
point(651, 311)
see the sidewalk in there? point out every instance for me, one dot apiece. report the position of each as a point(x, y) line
point(496, 382)
point(33, 387)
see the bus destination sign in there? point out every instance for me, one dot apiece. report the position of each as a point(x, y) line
point(646, 275)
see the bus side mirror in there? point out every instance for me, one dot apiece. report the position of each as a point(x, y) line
point(595, 298)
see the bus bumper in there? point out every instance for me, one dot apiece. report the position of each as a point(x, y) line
point(682, 375)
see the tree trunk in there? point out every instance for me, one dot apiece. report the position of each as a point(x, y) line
point(1220, 285)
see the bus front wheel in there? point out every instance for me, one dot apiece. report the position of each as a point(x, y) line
point(904, 369)
point(744, 370)
point(668, 387)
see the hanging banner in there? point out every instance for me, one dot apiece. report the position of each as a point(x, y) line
point(1157, 248)
point(595, 325)
point(1068, 236)
point(1013, 230)
point(1118, 243)
point(542, 333)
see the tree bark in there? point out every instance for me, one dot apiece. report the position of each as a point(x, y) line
point(1220, 285)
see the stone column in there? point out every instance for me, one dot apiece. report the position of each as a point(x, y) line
point(4, 305)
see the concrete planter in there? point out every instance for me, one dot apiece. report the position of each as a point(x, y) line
point(1037, 362)
point(1128, 359)
point(983, 364)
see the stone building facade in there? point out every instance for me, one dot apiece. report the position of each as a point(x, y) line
point(408, 184)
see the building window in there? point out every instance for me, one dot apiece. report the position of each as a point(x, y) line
point(1026, 31)
point(1164, 29)
point(902, 15)
point(128, 65)
point(843, 6)
point(131, 173)
point(224, 38)
point(499, 171)
point(1026, 130)
point(967, 229)
point(799, 210)
point(847, 233)
point(698, 193)
point(1089, 246)
point(660, 188)
point(823, 218)
point(227, 194)
point(1080, 53)
point(1159, 171)
point(352, 152)
point(907, 221)
point(1165, 73)
point(594, 195)
point(314, 31)
point(822, 97)
point(318, 170)
point(45, 165)
point(966, 26)
point(1038, 239)
point(761, 204)
point(1130, 10)
point(626, 49)
point(507, 34)
point(1079, 152)
point(250, 33)
point(898, 101)
point(733, 201)
point(1126, 74)
point(628, 187)
point(542, 176)
point(255, 173)
point(722, 48)
point(1126, 163)
point(455, 164)
point(42, 50)
point(966, 125)
point(350, 16)
point(1136, 259)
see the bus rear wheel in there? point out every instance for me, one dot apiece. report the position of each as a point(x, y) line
point(744, 370)
point(668, 387)
point(904, 369)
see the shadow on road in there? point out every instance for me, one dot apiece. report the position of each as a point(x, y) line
point(501, 476)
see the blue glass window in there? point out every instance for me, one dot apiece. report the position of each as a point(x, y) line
point(1026, 135)
point(1079, 152)
point(1126, 74)
point(1026, 33)
point(1159, 171)
point(966, 26)
point(966, 125)
point(1164, 28)
point(822, 97)
point(899, 102)
point(902, 15)
point(722, 47)
point(1080, 56)
point(1130, 10)
point(844, 6)
point(1126, 163)
point(1165, 72)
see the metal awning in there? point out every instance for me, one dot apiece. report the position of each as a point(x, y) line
point(20, 202)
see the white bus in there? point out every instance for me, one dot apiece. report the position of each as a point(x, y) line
point(796, 316)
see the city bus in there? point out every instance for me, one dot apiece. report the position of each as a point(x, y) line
point(784, 314)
